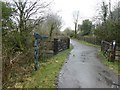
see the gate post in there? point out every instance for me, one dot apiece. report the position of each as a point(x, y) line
point(102, 45)
point(113, 52)
point(55, 46)
point(68, 43)
point(36, 54)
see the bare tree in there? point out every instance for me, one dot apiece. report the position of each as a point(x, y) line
point(26, 10)
point(27, 15)
point(76, 18)
point(104, 11)
point(110, 12)
point(54, 23)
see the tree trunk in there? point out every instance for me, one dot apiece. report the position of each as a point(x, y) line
point(75, 30)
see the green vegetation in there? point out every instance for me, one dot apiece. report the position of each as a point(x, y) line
point(86, 27)
point(19, 21)
point(105, 25)
point(69, 32)
point(47, 73)
point(89, 44)
point(115, 66)
point(108, 29)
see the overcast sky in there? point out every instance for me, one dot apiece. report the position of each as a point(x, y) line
point(87, 9)
point(65, 8)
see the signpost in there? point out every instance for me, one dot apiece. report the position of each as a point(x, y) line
point(37, 37)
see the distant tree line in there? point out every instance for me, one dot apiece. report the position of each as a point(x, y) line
point(106, 27)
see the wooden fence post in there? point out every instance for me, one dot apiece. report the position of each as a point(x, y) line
point(68, 43)
point(102, 45)
point(55, 47)
point(113, 51)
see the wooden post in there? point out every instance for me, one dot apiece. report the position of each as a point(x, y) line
point(113, 52)
point(68, 43)
point(55, 49)
point(102, 45)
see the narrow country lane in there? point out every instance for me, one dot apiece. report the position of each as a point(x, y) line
point(83, 69)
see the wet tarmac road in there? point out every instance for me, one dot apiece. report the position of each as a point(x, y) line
point(82, 69)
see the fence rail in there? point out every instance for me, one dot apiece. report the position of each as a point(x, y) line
point(54, 46)
point(61, 44)
point(111, 50)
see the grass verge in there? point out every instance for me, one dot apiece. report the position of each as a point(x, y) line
point(115, 66)
point(46, 75)
point(88, 44)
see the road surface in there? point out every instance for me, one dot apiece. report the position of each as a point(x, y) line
point(82, 69)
